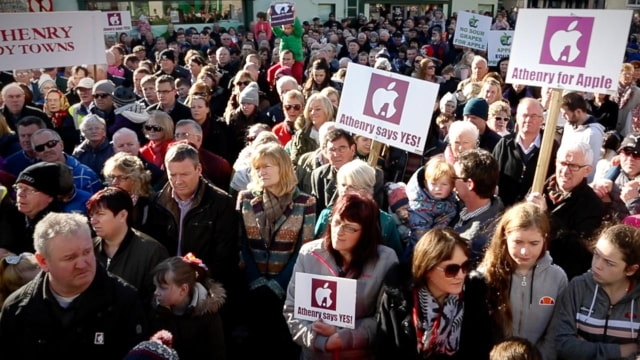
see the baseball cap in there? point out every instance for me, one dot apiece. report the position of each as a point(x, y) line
point(86, 83)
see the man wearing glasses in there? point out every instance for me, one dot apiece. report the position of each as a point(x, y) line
point(103, 105)
point(48, 147)
point(167, 102)
point(574, 209)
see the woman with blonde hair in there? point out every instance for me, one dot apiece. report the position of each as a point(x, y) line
point(432, 309)
point(159, 130)
point(499, 117)
point(292, 106)
point(276, 220)
point(523, 283)
point(317, 111)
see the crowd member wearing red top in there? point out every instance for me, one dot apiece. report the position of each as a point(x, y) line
point(159, 130)
point(292, 105)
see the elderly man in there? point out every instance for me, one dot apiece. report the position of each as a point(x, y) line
point(191, 215)
point(517, 153)
point(96, 148)
point(166, 90)
point(575, 210)
point(126, 140)
point(479, 69)
point(214, 167)
point(73, 308)
point(15, 107)
point(49, 147)
point(475, 184)
point(84, 90)
point(20, 160)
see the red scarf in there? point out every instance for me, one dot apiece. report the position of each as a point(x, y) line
point(58, 117)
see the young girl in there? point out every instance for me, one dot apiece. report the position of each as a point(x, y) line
point(187, 303)
point(523, 283)
point(319, 78)
point(291, 39)
point(15, 271)
point(432, 203)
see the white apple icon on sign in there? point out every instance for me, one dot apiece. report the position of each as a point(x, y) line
point(563, 39)
point(323, 296)
point(282, 8)
point(114, 19)
point(382, 97)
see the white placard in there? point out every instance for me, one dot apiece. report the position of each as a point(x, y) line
point(327, 298)
point(387, 107)
point(579, 50)
point(36, 40)
point(117, 21)
point(499, 45)
point(472, 30)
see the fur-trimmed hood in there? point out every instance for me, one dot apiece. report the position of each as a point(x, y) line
point(207, 301)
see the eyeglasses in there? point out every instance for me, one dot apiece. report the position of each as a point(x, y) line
point(100, 96)
point(295, 107)
point(15, 259)
point(243, 83)
point(532, 116)
point(452, 270)
point(119, 178)
point(338, 150)
point(164, 91)
point(628, 151)
point(182, 135)
point(347, 228)
point(500, 118)
point(465, 179)
point(24, 190)
point(153, 128)
point(49, 144)
point(570, 166)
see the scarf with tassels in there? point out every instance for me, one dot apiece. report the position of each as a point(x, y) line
point(274, 207)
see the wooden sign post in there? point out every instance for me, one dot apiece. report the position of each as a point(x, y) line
point(547, 141)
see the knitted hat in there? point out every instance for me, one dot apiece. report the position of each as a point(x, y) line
point(397, 195)
point(44, 78)
point(86, 83)
point(123, 95)
point(105, 86)
point(448, 98)
point(41, 176)
point(250, 94)
point(478, 107)
point(158, 348)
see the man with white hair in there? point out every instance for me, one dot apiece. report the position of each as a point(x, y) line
point(126, 140)
point(15, 108)
point(479, 68)
point(575, 210)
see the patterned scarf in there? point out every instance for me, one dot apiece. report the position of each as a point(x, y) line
point(625, 93)
point(438, 329)
point(556, 195)
point(274, 207)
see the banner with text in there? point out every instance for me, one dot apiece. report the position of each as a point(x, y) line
point(472, 30)
point(36, 40)
point(327, 298)
point(499, 45)
point(282, 13)
point(578, 49)
point(117, 21)
point(395, 109)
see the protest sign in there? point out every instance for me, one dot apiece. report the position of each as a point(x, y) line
point(327, 298)
point(472, 30)
point(387, 107)
point(37, 40)
point(117, 21)
point(499, 45)
point(282, 13)
point(577, 49)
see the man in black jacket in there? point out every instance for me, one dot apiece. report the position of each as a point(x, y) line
point(73, 309)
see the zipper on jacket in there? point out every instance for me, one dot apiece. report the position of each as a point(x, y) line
point(606, 320)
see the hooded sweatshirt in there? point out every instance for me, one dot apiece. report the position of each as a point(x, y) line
point(588, 326)
point(533, 298)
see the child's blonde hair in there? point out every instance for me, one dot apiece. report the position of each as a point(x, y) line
point(438, 168)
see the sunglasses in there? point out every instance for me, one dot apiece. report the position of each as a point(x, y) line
point(15, 259)
point(631, 152)
point(245, 83)
point(500, 118)
point(295, 107)
point(100, 96)
point(153, 128)
point(49, 144)
point(453, 269)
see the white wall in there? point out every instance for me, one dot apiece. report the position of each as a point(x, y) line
point(464, 5)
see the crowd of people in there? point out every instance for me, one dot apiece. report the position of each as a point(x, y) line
point(161, 204)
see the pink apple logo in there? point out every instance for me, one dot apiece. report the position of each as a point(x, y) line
point(566, 41)
point(114, 19)
point(385, 98)
point(323, 294)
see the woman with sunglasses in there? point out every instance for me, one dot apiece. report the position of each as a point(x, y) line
point(523, 283)
point(350, 248)
point(426, 70)
point(159, 130)
point(433, 310)
point(596, 316)
point(499, 117)
point(292, 105)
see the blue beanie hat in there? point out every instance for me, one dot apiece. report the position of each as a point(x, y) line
point(478, 107)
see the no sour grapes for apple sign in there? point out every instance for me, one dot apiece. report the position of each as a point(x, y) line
point(579, 50)
point(390, 108)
